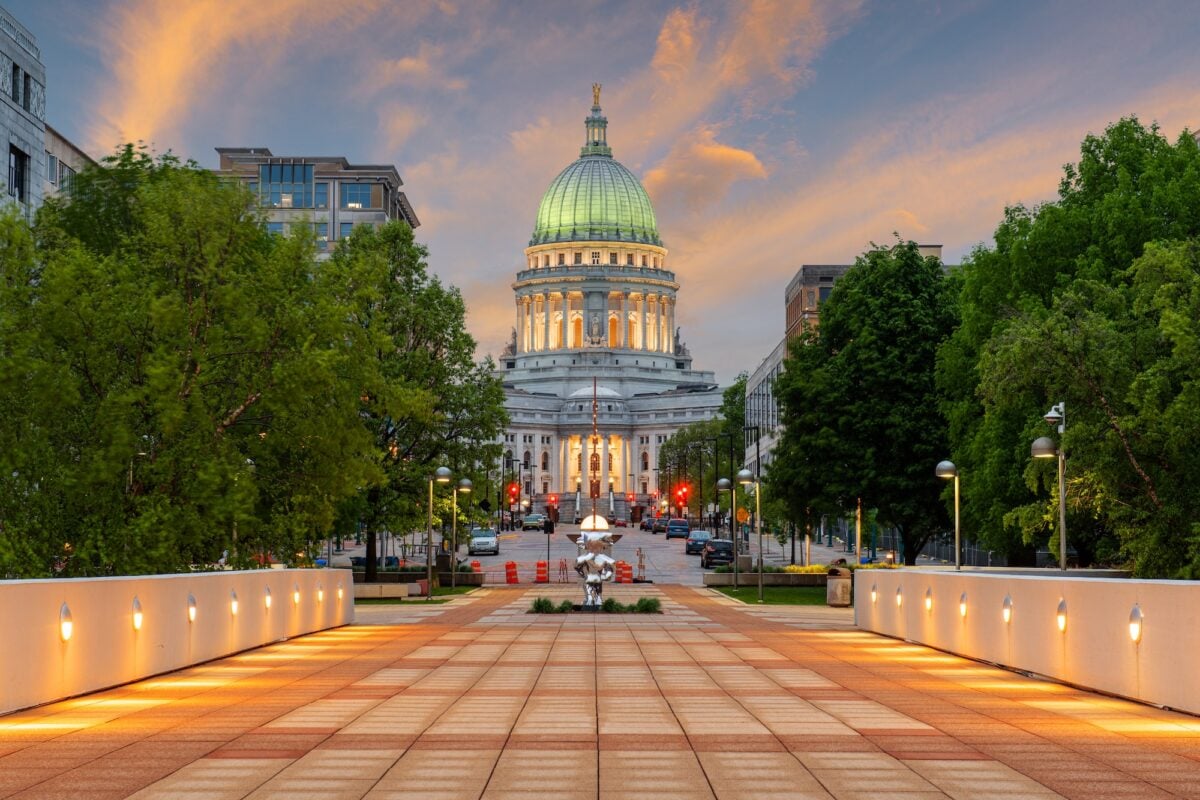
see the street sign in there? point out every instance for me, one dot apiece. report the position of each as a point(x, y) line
point(743, 515)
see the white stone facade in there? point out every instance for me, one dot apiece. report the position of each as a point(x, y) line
point(22, 115)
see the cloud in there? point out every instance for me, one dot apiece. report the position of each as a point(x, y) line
point(396, 124)
point(169, 59)
point(425, 70)
point(699, 171)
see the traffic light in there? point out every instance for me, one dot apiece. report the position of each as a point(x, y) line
point(629, 497)
point(513, 490)
point(553, 499)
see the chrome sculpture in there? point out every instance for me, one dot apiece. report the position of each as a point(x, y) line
point(594, 562)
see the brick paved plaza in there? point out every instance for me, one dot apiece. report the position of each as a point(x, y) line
point(477, 699)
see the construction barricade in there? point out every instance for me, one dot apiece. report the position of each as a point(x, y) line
point(510, 572)
point(543, 572)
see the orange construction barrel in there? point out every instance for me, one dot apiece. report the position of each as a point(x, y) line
point(510, 572)
point(476, 566)
point(543, 572)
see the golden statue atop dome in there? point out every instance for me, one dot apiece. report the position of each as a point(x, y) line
point(595, 94)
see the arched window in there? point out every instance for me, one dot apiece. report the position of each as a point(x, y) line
point(545, 461)
point(645, 462)
point(528, 456)
point(508, 455)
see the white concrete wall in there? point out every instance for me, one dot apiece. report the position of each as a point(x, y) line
point(37, 666)
point(1095, 650)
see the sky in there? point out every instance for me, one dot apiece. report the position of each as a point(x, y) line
point(769, 133)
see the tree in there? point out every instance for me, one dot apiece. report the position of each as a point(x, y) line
point(858, 399)
point(428, 403)
point(1130, 187)
point(176, 383)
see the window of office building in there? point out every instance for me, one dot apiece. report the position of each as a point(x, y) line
point(51, 167)
point(345, 229)
point(26, 91)
point(321, 195)
point(15, 86)
point(321, 229)
point(356, 195)
point(66, 178)
point(18, 173)
point(286, 185)
point(275, 228)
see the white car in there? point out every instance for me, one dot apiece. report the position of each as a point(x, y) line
point(483, 540)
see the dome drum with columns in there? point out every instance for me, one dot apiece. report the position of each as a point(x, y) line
point(595, 299)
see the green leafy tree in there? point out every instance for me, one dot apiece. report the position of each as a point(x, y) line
point(1028, 293)
point(858, 400)
point(177, 384)
point(428, 402)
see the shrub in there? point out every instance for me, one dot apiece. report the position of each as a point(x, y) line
point(566, 606)
point(542, 605)
point(811, 569)
point(648, 605)
point(611, 606)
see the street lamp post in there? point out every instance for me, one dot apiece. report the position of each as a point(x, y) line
point(746, 477)
point(1044, 447)
point(464, 486)
point(440, 475)
point(723, 485)
point(947, 470)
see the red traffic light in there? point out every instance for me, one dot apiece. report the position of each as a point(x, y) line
point(629, 497)
point(514, 489)
point(553, 499)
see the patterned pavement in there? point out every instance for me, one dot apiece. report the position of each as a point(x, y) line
point(711, 699)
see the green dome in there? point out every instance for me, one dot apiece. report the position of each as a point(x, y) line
point(595, 198)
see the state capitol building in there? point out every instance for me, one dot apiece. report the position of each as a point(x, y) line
point(595, 300)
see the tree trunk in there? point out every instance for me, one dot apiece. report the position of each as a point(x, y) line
point(372, 567)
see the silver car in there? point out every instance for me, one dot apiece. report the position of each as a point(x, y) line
point(483, 540)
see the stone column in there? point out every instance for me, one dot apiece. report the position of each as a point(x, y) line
point(671, 326)
point(642, 326)
point(626, 443)
point(625, 319)
point(517, 328)
point(604, 445)
point(566, 313)
point(546, 321)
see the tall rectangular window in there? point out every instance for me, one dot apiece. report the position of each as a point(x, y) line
point(629, 259)
point(15, 86)
point(18, 173)
point(51, 167)
point(562, 259)
point(356, 195)
point(596, 257)
point(26, 91)
point(612, 259)
point(579, 258)
point(321, 197)
point(345, 229)
point(321, 229)
point(66, 178)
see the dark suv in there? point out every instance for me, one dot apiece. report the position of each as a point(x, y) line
point(716, 551)
point(678, 529)
point(695, 542)
point(660, 524)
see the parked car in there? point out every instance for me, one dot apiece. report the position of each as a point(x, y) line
point(533, 522)
point(483, 540)
point(695, 542)
point(620, 523)
point(716, 551)
point(659, 526)
point(678, 529)
point(647, 523)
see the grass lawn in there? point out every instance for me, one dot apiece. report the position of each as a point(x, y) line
point(777, 595)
